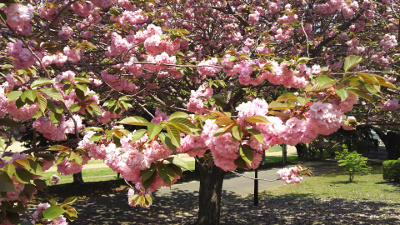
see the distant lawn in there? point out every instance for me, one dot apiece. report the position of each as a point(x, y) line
point(274, 148)
point(101, 174)
point(278, 159)
point(336, 186)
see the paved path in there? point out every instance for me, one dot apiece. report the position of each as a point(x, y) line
point(242, 186)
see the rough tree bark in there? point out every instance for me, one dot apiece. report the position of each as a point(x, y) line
point(210, 192)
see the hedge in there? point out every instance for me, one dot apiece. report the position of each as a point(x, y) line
point(391, 170)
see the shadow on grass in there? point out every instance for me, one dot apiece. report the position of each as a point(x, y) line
point(178, 207)
point(304, 209)
point(108, 205)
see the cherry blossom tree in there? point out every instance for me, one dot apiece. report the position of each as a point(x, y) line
point(138, 83)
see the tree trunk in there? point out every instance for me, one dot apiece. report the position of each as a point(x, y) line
point(78, 178)
point(284, 154)
point(302, 153)
point(210, 192)
point(392, 143)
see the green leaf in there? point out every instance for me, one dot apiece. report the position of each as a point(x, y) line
point(280, 105)
point(67, 88)
point(325, 80)
point(2, 143)
point(237, 133)
point(24, 163)
point(35, 168)
point(52, 212)
point(19, 103)
point(55, 117)
point(181, 127)
point(51, 92)
point(149, 199)
point(256, 134)
point(109, 103)
point(51, 105)
point(9, 168)
point(138, 134)
point(148, 173)
point(257, 119)
point(178, 115)
point(373, 90)
point(223, 130)
point(58, 148)
point(303, 60)
point(383, 82)
point(167, 141)
point(3, 17)
point(13, 95)
point(146, 183)
point(78, 159)
point(287, 96)
point(96, 129)
point(185, 122)
point(95, 108)
point(239, 162)
point(42, 102)
point(135, 120)
point(174, 135)
point(342, 93)
point(6, 184)
point(40, 184)
point(177, 160)
point(153, 130)
point(126, 106)
point(177, 170)
point(166, 173)
point(371, 80)
point(81, 80)
point(246, 154)
point(82, 87)
point(69, 200)
point(75, 107)
point(7, 66)
point(62, 157)
point(40, 82)
point(351, 61)
point(23, 176)
point(363, 94)
point(70, 213)
point(96, 137)
point(115, 12)
point(29, 95)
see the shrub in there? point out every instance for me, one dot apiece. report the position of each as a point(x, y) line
point(353, 162)
point(391, 170)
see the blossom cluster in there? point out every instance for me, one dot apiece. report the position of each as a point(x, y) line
point(131, 158)
point(290, 175)
point(197, 98)
point(57, 132)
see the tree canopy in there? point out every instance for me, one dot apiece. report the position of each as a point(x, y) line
point(136, 83)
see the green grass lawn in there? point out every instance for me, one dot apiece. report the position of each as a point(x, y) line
point(278, 159)
point(370, 187)
point(101, 174)
point(274, 148)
